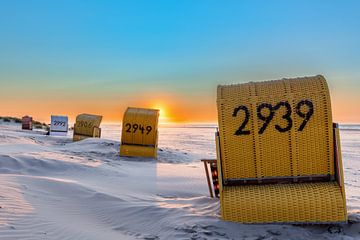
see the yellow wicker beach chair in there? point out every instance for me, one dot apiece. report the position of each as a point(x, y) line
point(87, 126)
point(279, 156)
point(139, 133)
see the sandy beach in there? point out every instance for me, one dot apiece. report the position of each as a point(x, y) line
point(277, 82)
point(53, 188)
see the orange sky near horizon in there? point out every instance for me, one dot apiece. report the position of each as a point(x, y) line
point(173, 109)
point(73, 57)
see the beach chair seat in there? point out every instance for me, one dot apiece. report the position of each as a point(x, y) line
point(139, 137)
point(291, 203)
point(87, 126)
point(278, 152)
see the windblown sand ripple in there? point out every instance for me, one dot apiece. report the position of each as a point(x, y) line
point(52, 188)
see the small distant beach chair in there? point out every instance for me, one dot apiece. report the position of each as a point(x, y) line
point(87, 126)
point(139, 136)
point(26, 123)
point(278, 153)
point(59, 125)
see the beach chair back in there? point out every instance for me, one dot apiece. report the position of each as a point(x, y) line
point(139, 135)
point(276, 129)
point(59, 125)
point(87, 125)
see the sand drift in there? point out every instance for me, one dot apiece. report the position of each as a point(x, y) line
point(52, 188)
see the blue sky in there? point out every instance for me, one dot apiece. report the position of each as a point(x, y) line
point(110, 51)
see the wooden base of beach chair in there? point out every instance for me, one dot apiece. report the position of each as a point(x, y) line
point(138, 151)
point(284, 203)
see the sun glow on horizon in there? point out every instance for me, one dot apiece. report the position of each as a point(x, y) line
point(154, 56)
point(163, 117)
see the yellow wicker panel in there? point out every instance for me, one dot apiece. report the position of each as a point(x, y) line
point(291, 203)
point(140, 128)
point(138, 151)
point(273, 160)
point(294, 150)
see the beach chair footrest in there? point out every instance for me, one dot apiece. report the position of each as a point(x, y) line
point(290, 203)
point(138, 151)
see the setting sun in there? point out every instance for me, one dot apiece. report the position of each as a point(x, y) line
point(163, 118)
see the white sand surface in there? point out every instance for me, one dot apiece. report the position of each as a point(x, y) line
point(52, 188)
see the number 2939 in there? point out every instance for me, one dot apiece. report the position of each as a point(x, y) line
point(270, 113)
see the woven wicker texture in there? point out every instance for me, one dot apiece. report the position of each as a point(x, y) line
point(302, 203)
point(274, 153)
point(298, 141)
point(139, 135)
point(138, 151)
point(85, 124)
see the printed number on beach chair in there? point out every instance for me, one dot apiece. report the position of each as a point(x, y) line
point(87, 126)
point(26, 123)
point(59, 125)
point(139, 133)
point(279, 156)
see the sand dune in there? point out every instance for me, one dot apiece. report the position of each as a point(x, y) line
point(53, 188)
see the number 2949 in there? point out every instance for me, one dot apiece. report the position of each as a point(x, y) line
point(135, 127)
point(271, 111)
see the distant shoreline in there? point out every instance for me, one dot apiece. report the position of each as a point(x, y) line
point(36, 124)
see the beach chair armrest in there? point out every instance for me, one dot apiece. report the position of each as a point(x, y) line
point(97, 132)
point(218, 157)
point(339, 175)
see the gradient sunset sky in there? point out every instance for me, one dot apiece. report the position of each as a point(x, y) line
point(71, 57)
